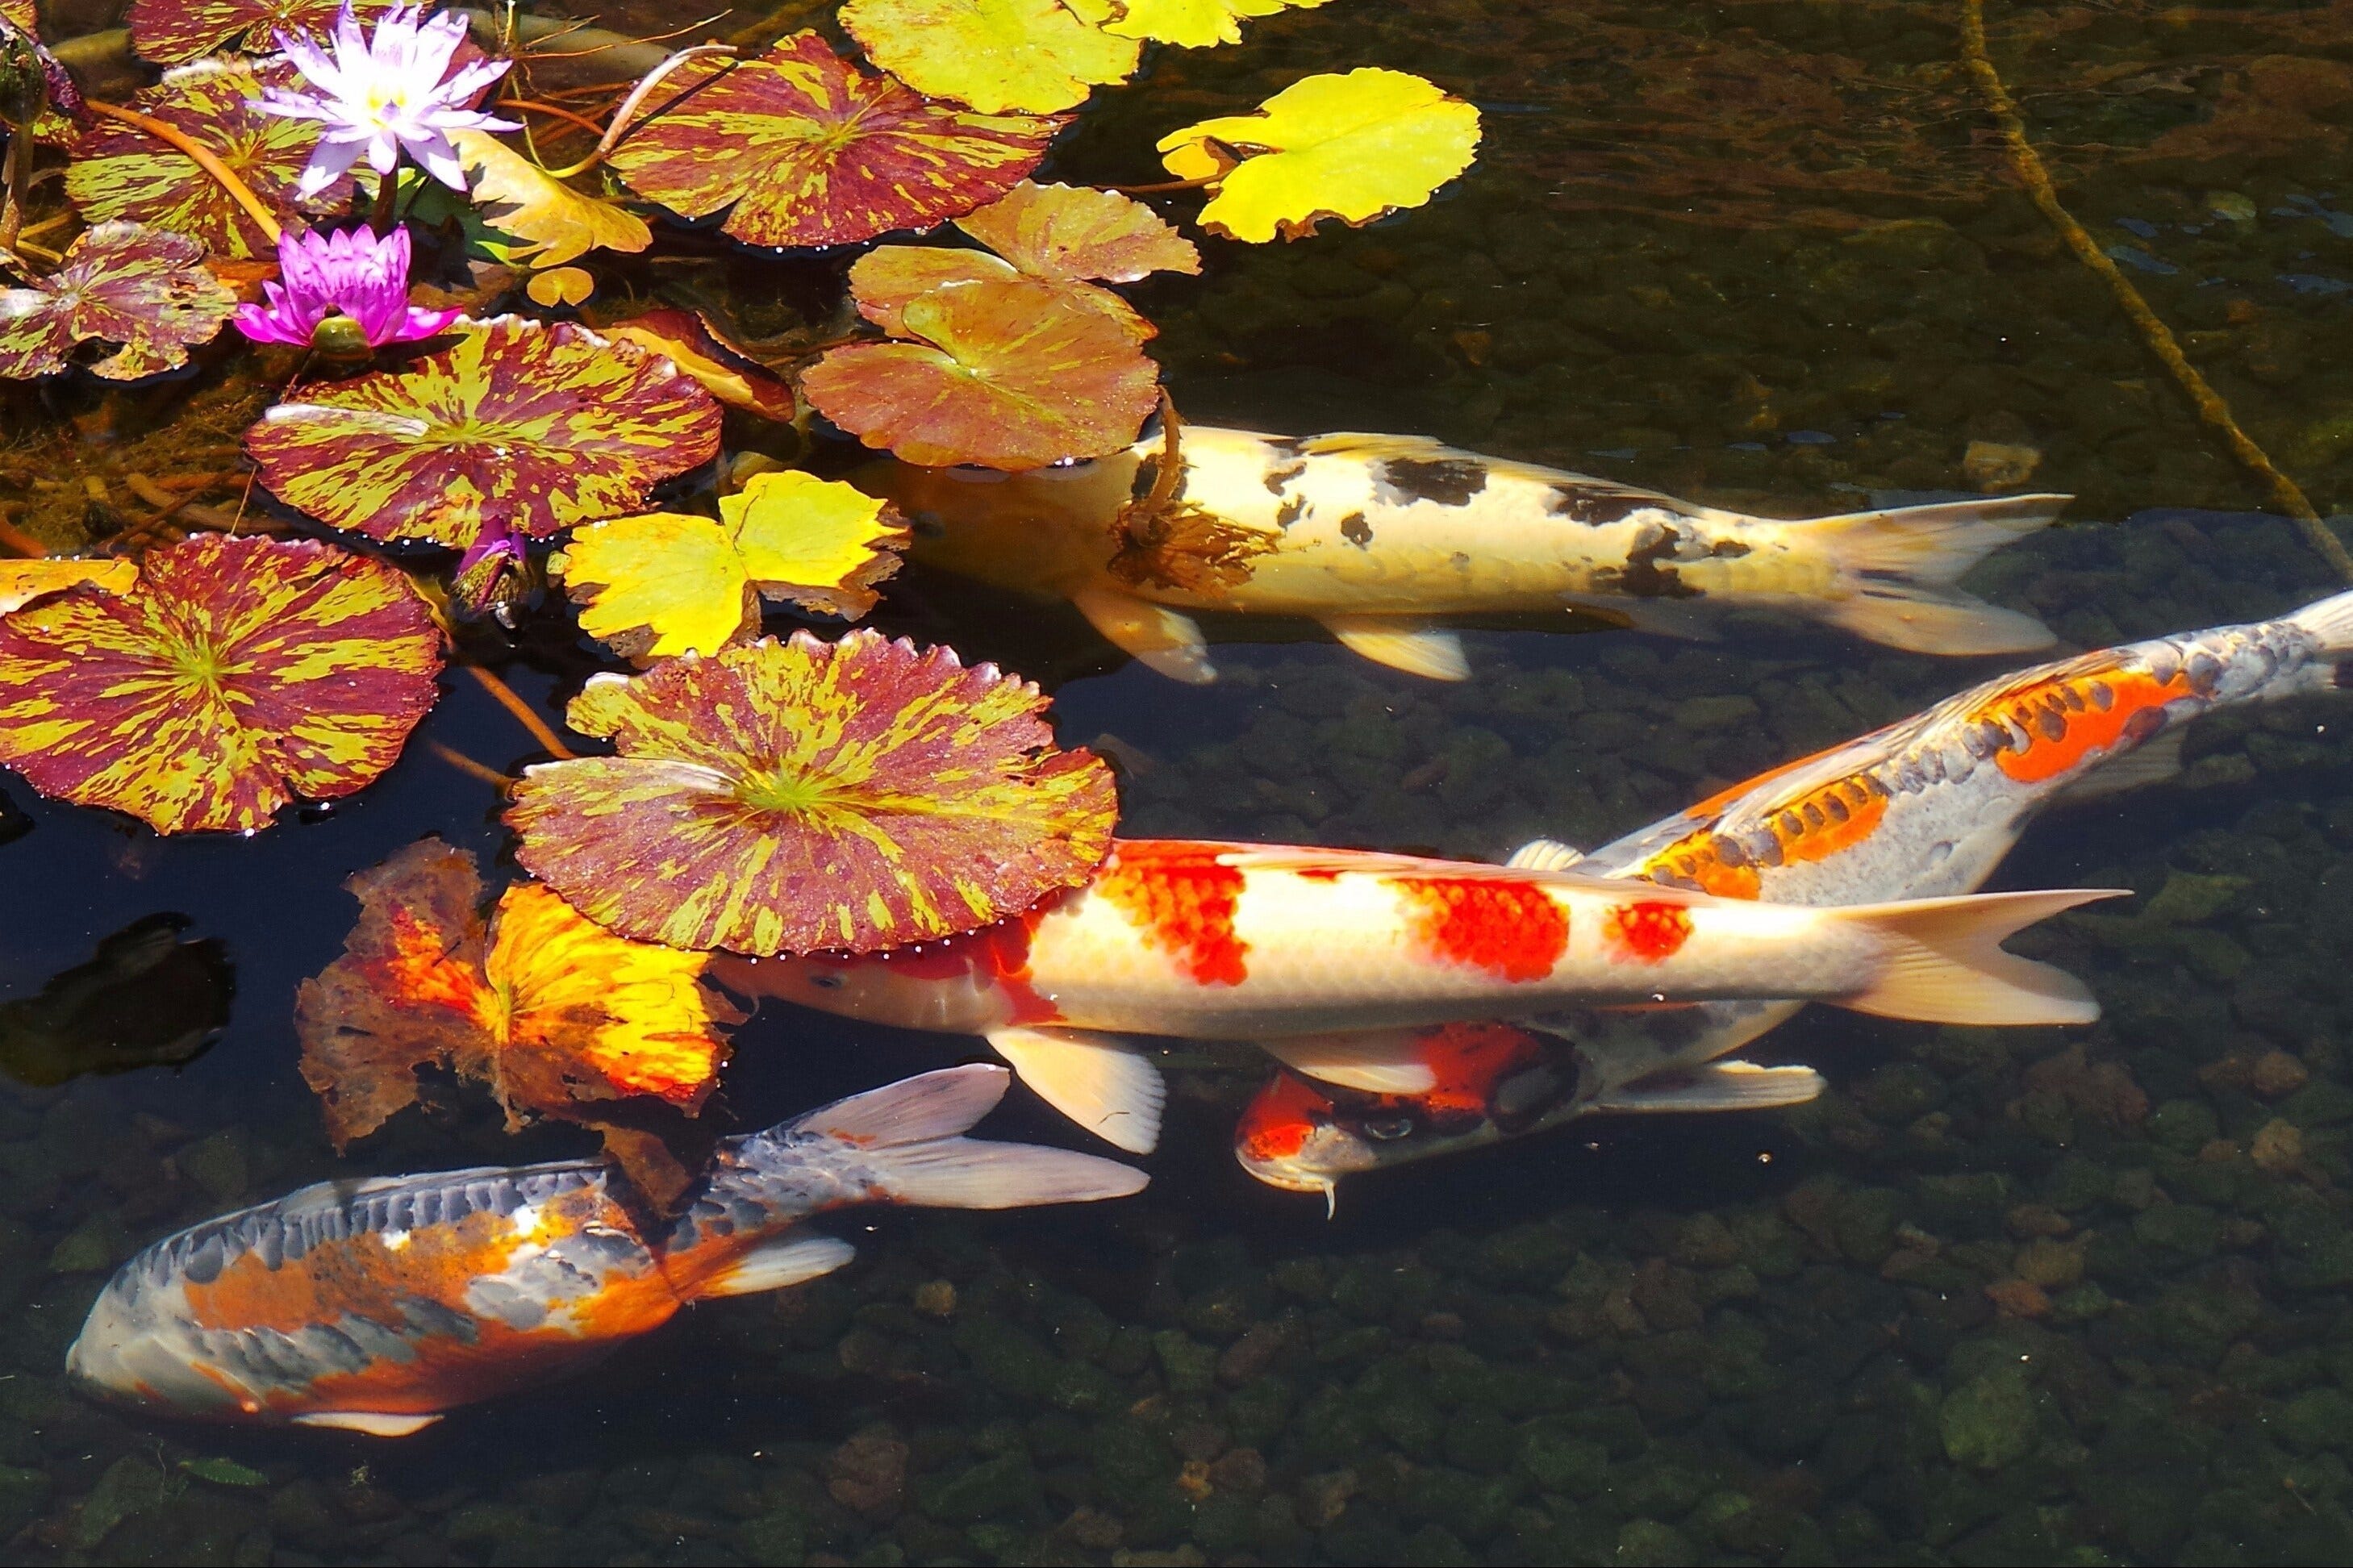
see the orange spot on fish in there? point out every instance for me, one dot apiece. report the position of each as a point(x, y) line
point(1467, 1061)
point(1275, 1125)
point(1184, 898)
point(2066, 718)
point(1516, 931)
point(1647, 931)
point(997, 953)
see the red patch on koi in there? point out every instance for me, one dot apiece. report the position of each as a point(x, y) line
point(2061, 734)
point(1275, 1125)
point(1511, 929)
point(1184, 898)
point(1648, 931)
point(1468, 1060)
point(997, 953)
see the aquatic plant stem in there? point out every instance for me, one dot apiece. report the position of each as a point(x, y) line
point(2028, 165)
point(534, 106)
point(18, 540)
point(466, 764)
point(12, 187)
point(173, 136)
point(619, 127)
point(525, 713)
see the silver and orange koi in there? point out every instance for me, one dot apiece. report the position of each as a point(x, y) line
point(1381, 537)
point(376, 1306)
point(1928, 806)
point(1289, 946)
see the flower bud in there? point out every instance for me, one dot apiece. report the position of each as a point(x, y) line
point(338, 336)
point(23, 79)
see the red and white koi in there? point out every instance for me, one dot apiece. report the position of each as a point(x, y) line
point(1242, 941)
point(376, 1306)
point(1925, 806)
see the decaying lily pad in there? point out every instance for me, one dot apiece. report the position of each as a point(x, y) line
point(144, 288)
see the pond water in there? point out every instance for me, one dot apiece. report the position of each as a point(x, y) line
point(1763, 255)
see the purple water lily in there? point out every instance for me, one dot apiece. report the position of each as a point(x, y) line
point(340, 290)
point(385, 94)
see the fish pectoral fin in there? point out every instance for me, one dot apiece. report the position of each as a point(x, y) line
point(1544, 854)
point(2153, 762)
point(1415, 647)
point(1376, 1062)
point(1161, 638)
point(1718, 1086)
point(774, 1265)
point(374, 1423)
point(1098, 1080)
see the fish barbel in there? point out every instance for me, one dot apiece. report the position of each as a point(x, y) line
point(1375, 536)
point(1261, 942)
point(1928, 806)
point(375, 1306)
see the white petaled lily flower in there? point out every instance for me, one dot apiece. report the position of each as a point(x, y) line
point(385, 94)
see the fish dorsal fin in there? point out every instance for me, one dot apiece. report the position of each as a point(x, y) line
point(1544, 854)
point(774, 1265)
point(1099, 1081)
point(912, 1110)
point(1718, 1086)
point(1374, 446)
point(373, 1422)
point(1377, 1061)
point(2153, 761)
point(1402, 643)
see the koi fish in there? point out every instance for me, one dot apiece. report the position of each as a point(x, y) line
point(1270, 943)
point(1928, 806)
point(1376, 536)
point(377, 1306)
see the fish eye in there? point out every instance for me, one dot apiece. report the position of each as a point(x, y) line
point(1388, 1129)
point(828, 982)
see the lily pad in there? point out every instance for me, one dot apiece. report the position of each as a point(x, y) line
point(121, 172)
point(1037, 55)
point(144, 288)
point(239, 674)
point(557, 1014)
point(1194, 24)
point(727, 369)
point(810, 150)
point(22, 582)
point(785, 798)
point(554, 222)
point(171, 31)
point(665, 583)
point(1009, 374)
point(518, 426)
point(1355, 147)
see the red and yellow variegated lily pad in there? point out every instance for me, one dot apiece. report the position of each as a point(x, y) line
point(238, 673)
point(22, 582)
point(812, 151)
point(1009, 374)
point(24, 15)
point(1058, 234)
point(667, 583)
point(145, 289)
point(519, 425)
point(785, 797)
point(121, 172)
point(995, 55)
point(170, 32)
point(557, 1014)
point(727, 368)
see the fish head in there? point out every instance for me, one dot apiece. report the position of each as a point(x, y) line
point(956, 985)
point(1293, 1135)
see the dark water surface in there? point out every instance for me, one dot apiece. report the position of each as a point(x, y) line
point(1763, 255)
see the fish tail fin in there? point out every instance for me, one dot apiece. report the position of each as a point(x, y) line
point(906, 1140)
point(1946, 964)
point(1896, 569)
point(2330, 623)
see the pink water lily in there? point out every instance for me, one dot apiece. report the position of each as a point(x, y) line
point(386, 94)
point(329, 280)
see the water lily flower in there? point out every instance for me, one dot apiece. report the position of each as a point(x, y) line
point(343, 292)
point(385, 94)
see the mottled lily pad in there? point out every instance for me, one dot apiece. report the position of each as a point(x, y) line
point(22, 582)
point(171, 31)
point(810, 150)
point(1009, 373)
point(121, 172)
point(239, 674)
point(518, 426)
point(144, 288)
point(783, 797)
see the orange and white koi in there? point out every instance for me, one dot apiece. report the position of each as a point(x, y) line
point(376, 1306)
point(1925, 806)
point(1241, 941)
point(1378, 537)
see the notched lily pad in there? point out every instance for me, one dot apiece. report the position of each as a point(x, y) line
point(807, 148)
point(144, 288)
point(727, 369)
point(789, 796)
point(239, 674)
point(519, 425)
point(169, 32)
point(22, 582)
point(553, 223)
point(1193, 24)
point(1007, 373)
point(1037, 55)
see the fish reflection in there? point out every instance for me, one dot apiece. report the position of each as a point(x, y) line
point(1378, 537)
point(146, 999)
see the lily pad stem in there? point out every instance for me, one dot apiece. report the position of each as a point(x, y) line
point(2028, 166)
point(466, 764)
point(12, 187)
point(1171, 471)
point(619, 125)
point(173, 136)
point(525, 714)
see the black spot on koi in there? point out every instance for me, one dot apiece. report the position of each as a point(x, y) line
point(1357, 531)
point(1449, 481)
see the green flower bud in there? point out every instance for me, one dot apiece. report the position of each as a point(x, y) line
point(340, 337)
point(23, 79)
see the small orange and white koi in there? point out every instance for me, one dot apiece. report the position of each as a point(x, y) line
point(376, 1306)
point(1271, 944)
